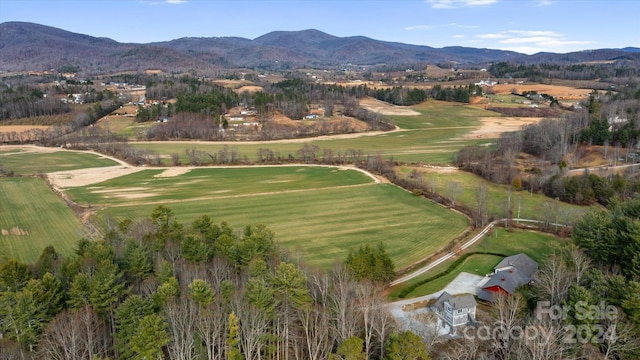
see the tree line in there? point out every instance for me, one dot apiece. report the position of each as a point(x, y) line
point(611, 121)
point(583, 302)
point(155, 288)
point(28, 98)
point(540, 72)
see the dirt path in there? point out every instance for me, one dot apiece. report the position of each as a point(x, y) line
point(89, 176)
point(281, 141)
point(385, 108)
point(492, 127)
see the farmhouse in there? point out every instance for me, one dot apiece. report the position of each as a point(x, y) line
point(455, 310)
point(508, 275)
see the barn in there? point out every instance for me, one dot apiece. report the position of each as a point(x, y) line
point(511, 273)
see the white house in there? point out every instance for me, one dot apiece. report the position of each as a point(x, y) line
point(455, 310)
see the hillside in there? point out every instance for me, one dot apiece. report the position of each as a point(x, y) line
point(27, 46)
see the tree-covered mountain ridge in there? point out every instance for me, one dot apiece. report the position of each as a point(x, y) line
point(33, 47)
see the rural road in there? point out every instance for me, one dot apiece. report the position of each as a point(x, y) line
point(444, 257)
point(604, 168)
point(449, 255)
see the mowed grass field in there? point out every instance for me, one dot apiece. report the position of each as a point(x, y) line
point(524, 204)
point(153, 186)
point(33, 217)
point(432, 137)
point(317, 213)
point(123, 125)
point(24, 161)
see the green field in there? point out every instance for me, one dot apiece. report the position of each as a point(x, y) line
point(25, 162)
point(523, 203)
point(318, 213)
point(124, 125)
point(535, 244)
point(431, 137)
point(33, 217)
point(149, 186)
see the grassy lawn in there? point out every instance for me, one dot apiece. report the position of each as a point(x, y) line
point(33, 217)
point(508, 100)
point(431, 137)
point(523, 204)
point(317, 213)
point(535, 244)
point(26, 163)
point(124, 125)
point(479, 264)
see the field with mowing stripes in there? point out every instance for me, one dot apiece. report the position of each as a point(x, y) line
point(317, 213)
point(433, 137)
point(152, 186)
point(33, 217)
point(24, 161)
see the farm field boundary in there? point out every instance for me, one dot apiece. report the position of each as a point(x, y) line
point(33, 217)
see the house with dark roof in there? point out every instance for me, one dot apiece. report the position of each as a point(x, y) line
point(511, 273)
point(455, 310)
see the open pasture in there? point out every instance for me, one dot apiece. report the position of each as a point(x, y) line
point(523, 203)
point(433, 136)
point(124, 125)
point(29, 160)
point(562, 92)
point(160, 185)
point(23, 132)
point(32, 217)
point(317, 213)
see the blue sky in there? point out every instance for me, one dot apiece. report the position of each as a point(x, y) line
point(527, 26)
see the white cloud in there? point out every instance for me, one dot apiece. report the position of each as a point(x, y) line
point(524, 49)
point(450, 4)
point(457, 36)
point(460, 26)
point(535, 33)
point(544, 2)
point(492, 36)
point(428, 27)
point(156, 2)
point(419, 27)
point(532, 41)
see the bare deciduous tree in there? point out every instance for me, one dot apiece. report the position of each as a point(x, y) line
point(554, 279)
point(452, 191)
point(254, 326)
point(74, 335)
point(482, 198)
point(343, 307)
point(579, 262)
point(181, 315)
point(508, 316)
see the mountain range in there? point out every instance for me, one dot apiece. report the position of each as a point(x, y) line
point(33, 47)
